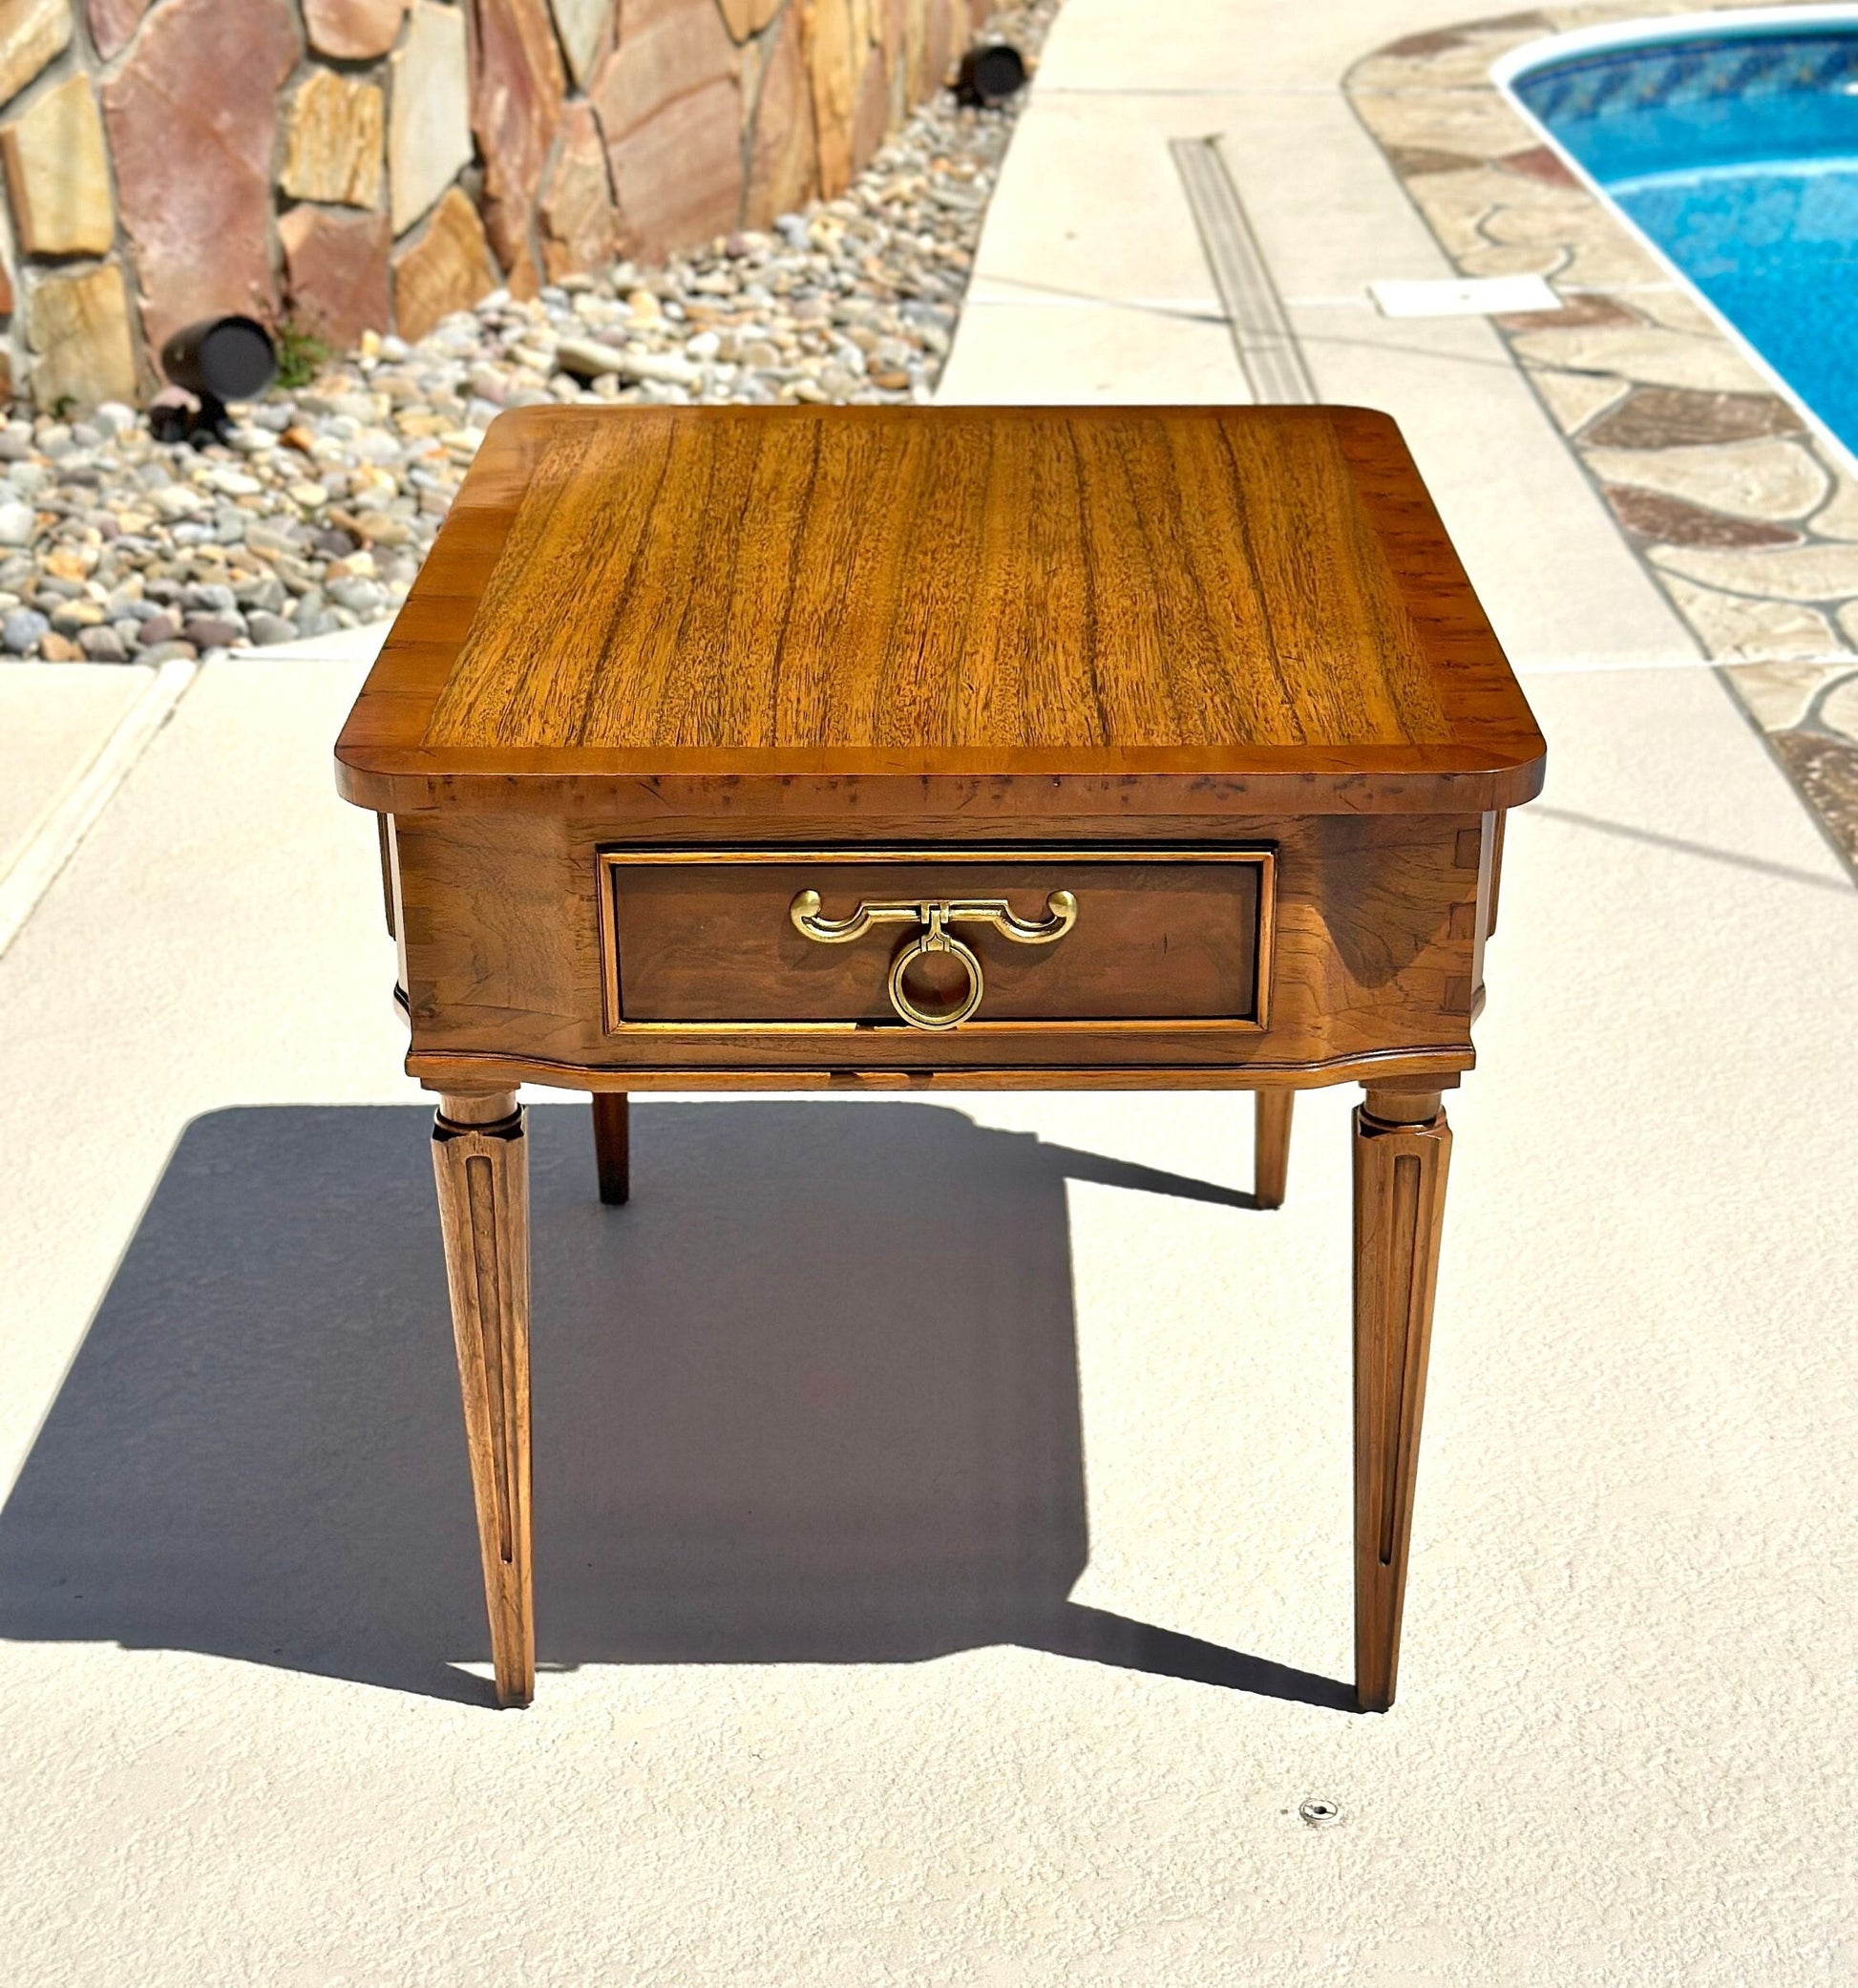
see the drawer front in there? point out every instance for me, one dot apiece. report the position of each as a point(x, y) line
point(935, 940)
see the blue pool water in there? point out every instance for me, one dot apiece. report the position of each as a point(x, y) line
point(1738, 155)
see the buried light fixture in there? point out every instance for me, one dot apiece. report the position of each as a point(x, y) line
point(991, 72)
point(214, 361)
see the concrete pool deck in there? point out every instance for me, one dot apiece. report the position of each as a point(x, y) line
point(995, 1642)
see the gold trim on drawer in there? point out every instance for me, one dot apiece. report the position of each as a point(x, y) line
point(611, 860)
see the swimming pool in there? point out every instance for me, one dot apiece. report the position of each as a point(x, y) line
point(1736, 153)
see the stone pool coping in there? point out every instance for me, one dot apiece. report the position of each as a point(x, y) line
point(1737, 504)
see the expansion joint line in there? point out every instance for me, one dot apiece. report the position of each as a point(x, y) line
point(1268, 351)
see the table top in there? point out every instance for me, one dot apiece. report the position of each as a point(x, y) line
point(1256, 607)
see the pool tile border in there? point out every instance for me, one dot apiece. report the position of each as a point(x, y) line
point(1742, 513)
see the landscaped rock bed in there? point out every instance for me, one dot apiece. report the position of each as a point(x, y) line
point(316, 511)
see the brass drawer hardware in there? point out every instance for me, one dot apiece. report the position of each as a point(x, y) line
point(1172, 939)
point(934, 917)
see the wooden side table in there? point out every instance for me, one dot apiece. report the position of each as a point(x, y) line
point(725, 747)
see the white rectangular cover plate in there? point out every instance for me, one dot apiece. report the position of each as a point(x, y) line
point(1462, 296)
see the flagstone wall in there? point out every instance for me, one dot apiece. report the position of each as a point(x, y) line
point(353, 165)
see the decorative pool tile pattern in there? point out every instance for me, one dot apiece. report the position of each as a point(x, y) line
point(1695, 72)
point(1747, 519)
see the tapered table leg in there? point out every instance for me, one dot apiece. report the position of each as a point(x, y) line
point(612, 1145)
point(1403, 1145)
point(481, 1159)
point(1270, 1145)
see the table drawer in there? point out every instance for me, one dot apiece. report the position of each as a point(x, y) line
point(935, 940)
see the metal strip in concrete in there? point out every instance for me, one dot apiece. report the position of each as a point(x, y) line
point(1267, 347)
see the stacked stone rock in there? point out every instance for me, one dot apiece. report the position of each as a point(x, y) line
point(373, 165)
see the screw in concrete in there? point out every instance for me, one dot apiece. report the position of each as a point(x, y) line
point(1320, 1814)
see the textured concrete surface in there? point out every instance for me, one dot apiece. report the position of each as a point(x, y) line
point(929, 1494)
point(54, 718)
point(944, 1507)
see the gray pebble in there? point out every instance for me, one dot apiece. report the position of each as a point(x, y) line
point(362, 597)
point(267, 628)
point(213, 631)
point(102, 645)
point(21, 630)
point(270, 537)
point(268, 594)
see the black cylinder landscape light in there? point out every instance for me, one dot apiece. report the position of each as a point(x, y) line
point(221, 358)
point(218, 360)
point(991, 72)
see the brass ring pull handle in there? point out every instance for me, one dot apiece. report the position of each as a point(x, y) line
point(934, 917)
point(935, 940)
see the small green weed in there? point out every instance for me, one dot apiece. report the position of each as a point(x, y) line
point(301, 355)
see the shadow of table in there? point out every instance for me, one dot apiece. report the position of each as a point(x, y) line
point(814, 1396)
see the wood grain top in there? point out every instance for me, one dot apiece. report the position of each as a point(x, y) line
point(1246, 599)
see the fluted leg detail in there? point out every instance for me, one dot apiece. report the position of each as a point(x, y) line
point(1403, 1147)
point(480, 1158)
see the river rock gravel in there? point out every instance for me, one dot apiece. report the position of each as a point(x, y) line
point(315, 511)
